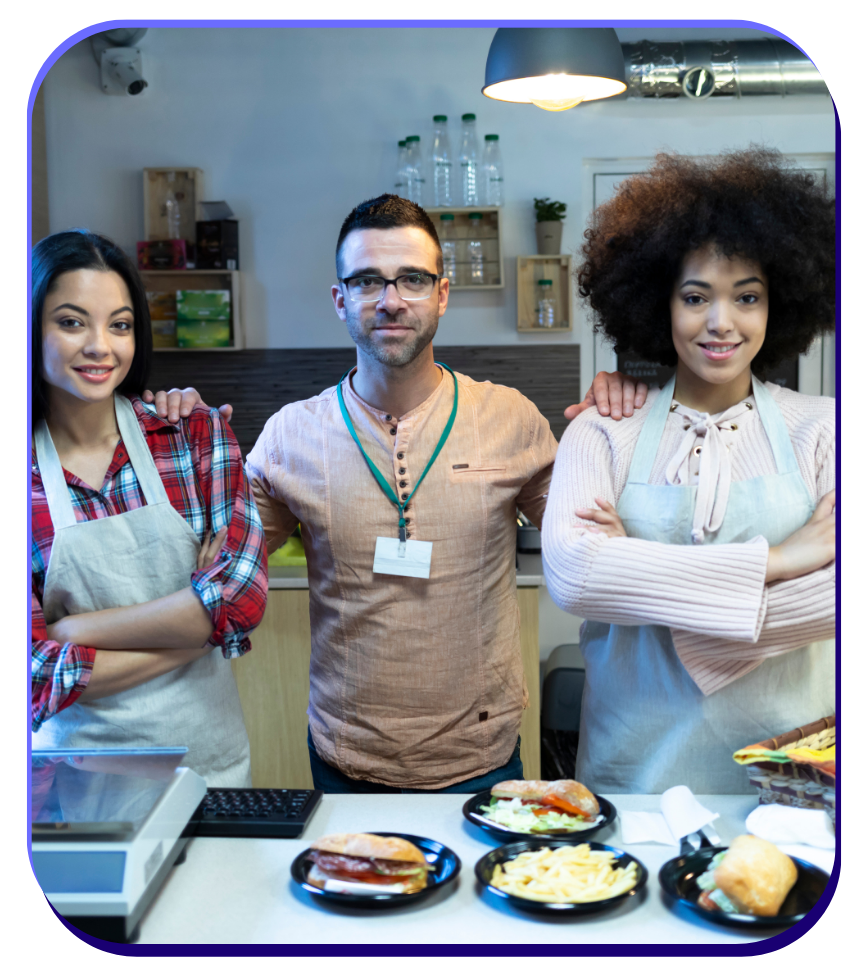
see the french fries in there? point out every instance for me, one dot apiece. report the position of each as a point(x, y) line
point(567, 874)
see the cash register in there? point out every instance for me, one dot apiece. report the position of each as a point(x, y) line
point(106, 828)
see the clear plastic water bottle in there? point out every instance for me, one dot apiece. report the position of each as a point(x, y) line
point(449, 247)
point(469, 160)
point(400, 177)
point(441, 162)
point(546, 309)
point(492, 172)
point(173, 210)
point(414, 170)
point(475, 253)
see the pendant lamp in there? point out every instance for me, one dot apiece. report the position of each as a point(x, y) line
point(555, 68)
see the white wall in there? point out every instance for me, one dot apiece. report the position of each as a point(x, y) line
point(293, 127)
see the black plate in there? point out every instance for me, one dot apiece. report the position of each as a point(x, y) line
point(475, 803)
point(485, 872)
point(446, 865)
point(678, 879)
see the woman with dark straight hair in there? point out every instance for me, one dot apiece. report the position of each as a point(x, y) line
point(148, 560)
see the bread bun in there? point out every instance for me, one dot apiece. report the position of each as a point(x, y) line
point(576, 794)
point(317, 877)
point(370, 846)
point(756, 875)
point(534, 790)
point(527, 790)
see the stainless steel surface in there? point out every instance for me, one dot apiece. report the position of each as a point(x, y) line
point(710, 833)
point(739, 68)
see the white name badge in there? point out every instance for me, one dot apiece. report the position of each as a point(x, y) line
point(414, 564)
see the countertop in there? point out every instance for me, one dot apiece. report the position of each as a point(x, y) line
point(529, 574)
point(238, 890)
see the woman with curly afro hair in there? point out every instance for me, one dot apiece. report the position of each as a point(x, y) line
point(698, 537)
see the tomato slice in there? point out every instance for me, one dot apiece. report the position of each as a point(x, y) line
point(557, 802)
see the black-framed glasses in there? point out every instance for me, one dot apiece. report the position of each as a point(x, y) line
point(368, 288)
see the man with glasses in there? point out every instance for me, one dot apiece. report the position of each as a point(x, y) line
point(406, 479)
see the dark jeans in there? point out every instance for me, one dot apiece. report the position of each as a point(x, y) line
point(332, 781)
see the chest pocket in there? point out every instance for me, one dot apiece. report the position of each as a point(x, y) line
point(467, 471)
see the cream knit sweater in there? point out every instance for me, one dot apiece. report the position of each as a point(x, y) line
point(724, 619)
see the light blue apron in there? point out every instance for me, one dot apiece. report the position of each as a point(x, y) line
point(645, 725)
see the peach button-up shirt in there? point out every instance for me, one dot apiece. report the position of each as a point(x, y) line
point(413, 682)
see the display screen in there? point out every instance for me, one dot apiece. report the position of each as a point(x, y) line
point(79, 871)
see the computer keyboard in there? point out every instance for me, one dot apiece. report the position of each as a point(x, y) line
point(254, 812)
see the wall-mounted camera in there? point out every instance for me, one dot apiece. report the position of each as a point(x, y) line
point(119, 60)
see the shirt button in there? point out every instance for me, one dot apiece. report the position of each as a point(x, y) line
point(402, 470)
point(406, 520)
point(393, 432)
point(388, 418)
point(734, 427)
point(403, 483)
point(697, 450)
point(403, 496)
point(400, 456)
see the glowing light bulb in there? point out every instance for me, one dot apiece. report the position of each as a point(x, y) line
point(556, 104)
point(555, 92)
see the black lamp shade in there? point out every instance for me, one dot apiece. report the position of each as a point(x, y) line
point(534, 52)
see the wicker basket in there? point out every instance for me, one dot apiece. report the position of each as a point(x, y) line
point(798, 785)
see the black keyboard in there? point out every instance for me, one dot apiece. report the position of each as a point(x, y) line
point(254, 812)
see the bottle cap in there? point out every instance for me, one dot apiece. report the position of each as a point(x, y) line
point(447, 216)
point(402, 143)
point(441, 118)
point(469, 117)
point(474, 216)
point(544, 282)
point(492, 138)
point(413, 138)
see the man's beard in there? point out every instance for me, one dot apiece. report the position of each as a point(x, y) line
point(393, 352)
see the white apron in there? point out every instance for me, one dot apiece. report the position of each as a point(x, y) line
point(128, 559)
point(645, 725)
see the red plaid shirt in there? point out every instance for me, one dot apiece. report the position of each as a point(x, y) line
point(202, 470)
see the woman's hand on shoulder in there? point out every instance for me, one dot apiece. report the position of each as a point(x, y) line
point(812, 547)
point(606, 519)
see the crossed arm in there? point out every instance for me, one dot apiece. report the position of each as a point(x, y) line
point(137, 643)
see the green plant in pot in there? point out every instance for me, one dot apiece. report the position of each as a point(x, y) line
point(549, 225)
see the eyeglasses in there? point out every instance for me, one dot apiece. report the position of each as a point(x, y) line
point(367, 289)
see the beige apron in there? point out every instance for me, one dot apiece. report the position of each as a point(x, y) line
point(128, 559)
point(645, 725)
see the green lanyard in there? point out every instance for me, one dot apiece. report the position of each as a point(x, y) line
point(380, 479)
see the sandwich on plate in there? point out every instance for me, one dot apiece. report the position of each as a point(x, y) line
point(542, 806)
point(367, 864)
point(752, 877)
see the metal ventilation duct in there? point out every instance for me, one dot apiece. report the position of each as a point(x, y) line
point(704, 69)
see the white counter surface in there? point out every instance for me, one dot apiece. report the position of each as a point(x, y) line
point(238, 890)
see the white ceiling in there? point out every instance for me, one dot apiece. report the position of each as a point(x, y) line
point(630, 35)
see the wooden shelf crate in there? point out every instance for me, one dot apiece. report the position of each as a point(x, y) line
point(189, 188)
point(201, 280)
point(535, 267)
point(493, 242)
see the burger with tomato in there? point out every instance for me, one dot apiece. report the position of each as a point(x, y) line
point(542, 806)
point(367, 864)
